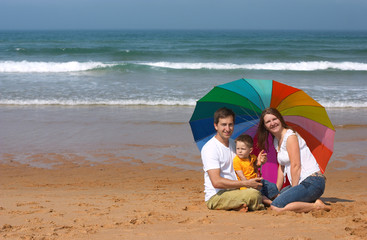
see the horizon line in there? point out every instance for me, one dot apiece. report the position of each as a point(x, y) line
point(185, 29)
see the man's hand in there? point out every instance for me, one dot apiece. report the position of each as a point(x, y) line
point(254, 183)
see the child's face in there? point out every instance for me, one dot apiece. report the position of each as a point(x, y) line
point(242, 150)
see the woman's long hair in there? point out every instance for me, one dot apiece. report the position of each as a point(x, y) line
point(263, 133)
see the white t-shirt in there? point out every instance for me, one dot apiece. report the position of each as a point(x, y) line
point(308, 161)
point(215, 155)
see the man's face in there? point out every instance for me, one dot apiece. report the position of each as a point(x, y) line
point(225, 127)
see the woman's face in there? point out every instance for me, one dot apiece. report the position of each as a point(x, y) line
point(272, 123)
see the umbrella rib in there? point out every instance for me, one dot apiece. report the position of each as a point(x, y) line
point(245, 111)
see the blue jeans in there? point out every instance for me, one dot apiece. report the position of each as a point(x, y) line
point(269, 189)
point(309, 190)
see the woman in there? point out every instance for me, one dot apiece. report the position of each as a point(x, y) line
point(296, 161)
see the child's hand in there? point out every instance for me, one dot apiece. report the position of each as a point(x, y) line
point(262, 158)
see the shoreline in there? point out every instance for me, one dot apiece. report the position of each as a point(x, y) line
point(159, 134)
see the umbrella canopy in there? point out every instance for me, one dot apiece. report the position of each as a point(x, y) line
point(248, 98)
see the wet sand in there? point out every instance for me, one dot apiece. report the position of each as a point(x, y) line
point(123, 174)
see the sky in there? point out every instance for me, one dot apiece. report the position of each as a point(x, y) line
point(183, 14)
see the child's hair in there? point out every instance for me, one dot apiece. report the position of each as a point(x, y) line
point(247, 139)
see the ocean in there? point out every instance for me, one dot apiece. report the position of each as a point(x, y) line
point(107, 95)
point(176, 68)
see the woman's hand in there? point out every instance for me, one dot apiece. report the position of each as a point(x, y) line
point(262, 158)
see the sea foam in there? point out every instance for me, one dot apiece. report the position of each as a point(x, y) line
point(131, 102)
point(143, 102)
point(276, 66)
point(40, 67)
point(75, 66)
point(345, 104)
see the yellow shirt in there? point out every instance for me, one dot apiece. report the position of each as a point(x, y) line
point(246, 165)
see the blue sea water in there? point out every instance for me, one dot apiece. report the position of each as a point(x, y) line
point(176, 67)
point(131, 93)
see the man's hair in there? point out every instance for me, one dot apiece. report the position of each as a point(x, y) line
point(247, 139)
point(223, 113)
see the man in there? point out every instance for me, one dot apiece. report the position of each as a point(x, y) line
point(221, 184)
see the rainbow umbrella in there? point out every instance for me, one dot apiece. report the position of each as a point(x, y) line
point(248, 98)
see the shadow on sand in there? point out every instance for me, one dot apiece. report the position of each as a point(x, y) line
point(335, 200)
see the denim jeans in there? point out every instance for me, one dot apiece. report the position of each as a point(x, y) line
point(309, 190)
point(269, 189)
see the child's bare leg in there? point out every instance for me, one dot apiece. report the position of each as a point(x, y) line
point(275, 197)
point(266, 201)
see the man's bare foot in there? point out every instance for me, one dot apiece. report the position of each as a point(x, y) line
point(243, 208)
point(320, 205)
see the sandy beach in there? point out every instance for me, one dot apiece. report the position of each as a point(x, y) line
point(70, 178)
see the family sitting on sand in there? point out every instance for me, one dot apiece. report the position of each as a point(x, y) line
point(231, 181)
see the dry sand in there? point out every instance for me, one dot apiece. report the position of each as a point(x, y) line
point(135, 200)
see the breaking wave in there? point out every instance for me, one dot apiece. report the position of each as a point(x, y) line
point(137, 102)
point(75, 66)
point(275, 66)
point(144, 102)
point(49, 67)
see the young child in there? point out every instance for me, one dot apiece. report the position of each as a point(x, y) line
point(246, 166)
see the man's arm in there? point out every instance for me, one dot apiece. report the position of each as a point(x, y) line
point(224, 183)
